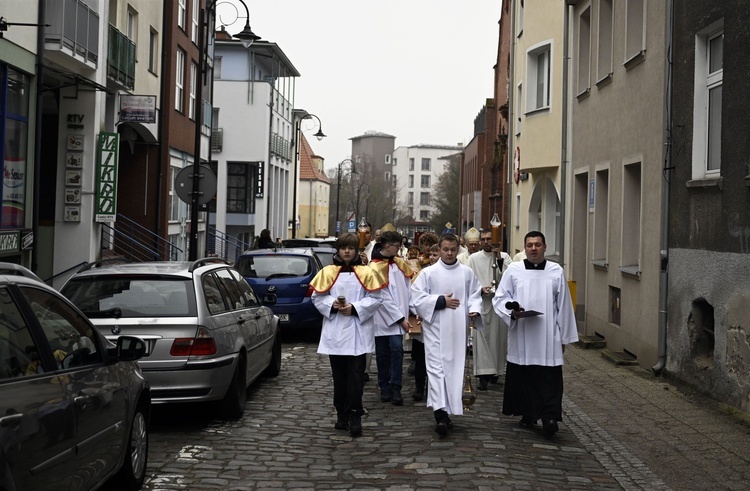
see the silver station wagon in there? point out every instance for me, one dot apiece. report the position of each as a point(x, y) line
point(207, 336)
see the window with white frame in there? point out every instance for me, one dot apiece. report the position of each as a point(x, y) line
point(601, 215)
point(631, 218)
point(424, 215)
point(634, 29)
point(410, 198)
point(584, 51)
point(411, 180)
point(387, 158)
point(411, 163)
point(217, 68)
point(395, 161)
point(153, 51)
point(181, 13)
point(387, 177)
point(707, 97)
point(538, 77)
point(425, 181)
point(424, 199)
point(426, 164)
point(179, 81)
point(604, 49)
point(193, 83)
point(196, 16)
point(132, 25)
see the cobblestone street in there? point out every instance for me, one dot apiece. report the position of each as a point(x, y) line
point(622, 429)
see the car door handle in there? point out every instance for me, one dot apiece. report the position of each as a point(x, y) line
point(82, 400)
point(11, 420)
point(241, 321)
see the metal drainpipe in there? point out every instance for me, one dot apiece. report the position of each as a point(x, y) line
point(666, 178)
point(564, 132)
point(511, 123)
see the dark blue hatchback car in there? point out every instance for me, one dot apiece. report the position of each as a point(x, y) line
point(281, 279)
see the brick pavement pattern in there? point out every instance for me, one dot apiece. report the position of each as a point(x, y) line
point(621, 429)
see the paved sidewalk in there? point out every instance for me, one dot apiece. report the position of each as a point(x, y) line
point(622, 429)
point(640, 427)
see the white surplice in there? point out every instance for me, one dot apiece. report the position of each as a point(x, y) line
point(395, 303)
point(347, 334)
point(537, 340)
point(491, 342)
point(444, 331)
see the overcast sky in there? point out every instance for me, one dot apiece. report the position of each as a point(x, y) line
point(419, 70)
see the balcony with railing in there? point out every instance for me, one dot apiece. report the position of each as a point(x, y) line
point(121, 59)
point(73, 29)
point(281, 147)
point(217, 139)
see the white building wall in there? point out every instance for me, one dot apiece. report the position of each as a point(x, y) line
point(401, 156)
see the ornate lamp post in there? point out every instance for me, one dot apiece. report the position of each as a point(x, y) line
point(247, 37)
point(319, 135)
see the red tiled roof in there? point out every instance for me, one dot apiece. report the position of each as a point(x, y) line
point(307, 169)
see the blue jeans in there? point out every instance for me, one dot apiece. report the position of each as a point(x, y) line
point(389, 356)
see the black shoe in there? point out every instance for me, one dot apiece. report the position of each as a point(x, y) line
point(525, 423)
point(355, 424)
point(410, 370)
point(367, 377)
point(549, 427)
point(449, 423)
point(396, 397)
point(342, 422)
point(418, 394)
point(484, 381)
point(385, 395)
point(442, 428)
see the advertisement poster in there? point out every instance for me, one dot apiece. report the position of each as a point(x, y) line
point(14, 193)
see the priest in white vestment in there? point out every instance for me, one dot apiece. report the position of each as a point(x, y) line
point(472, 245)
point(533, 377)
point(491, 342)
point(445, 295)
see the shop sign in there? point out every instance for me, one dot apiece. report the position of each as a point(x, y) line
point(106, 177)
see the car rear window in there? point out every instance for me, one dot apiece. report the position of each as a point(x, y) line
point(274, 266)
point(119, 296)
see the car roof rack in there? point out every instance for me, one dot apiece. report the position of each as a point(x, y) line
point(103, 262)
point(206, 261)
point(12, 269)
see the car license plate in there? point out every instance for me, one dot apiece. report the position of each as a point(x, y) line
point(284, 317)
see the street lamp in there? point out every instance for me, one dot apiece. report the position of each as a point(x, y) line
point(247, 37)
point(338, 190)
point(319, 135)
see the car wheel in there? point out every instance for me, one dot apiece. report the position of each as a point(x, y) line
point(133, 471)
point(233, 405)
point(274, 367)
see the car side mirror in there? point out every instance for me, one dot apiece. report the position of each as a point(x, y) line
point(130, 348)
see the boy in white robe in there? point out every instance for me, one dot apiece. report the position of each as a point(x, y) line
point(444, 296)
point(347, 293)
point(533, 374)
point(391, 320)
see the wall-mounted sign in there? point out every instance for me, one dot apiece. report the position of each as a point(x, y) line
point(106, 177)
point(9, 242)
point(138, 109)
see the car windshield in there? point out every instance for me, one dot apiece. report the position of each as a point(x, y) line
point(274, 266)
point(122, 296)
